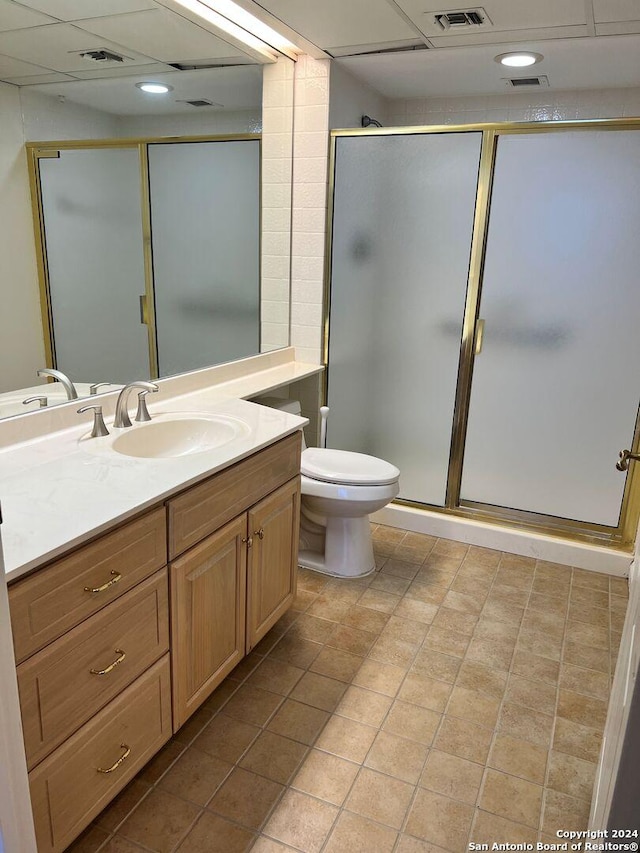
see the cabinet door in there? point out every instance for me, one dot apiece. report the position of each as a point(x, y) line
point(273, 559)
point(208, 597)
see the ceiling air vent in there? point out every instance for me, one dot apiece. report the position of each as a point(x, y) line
point(526, 82)
point(462, 19)
point(101, 56)
point(198, 102)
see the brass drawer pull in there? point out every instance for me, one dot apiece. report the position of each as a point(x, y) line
point(116, 577)
point(259, 533)
point(111, 666)
point(248, 540)
point(122, 758)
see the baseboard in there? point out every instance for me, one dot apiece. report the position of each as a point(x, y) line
point(596, 558)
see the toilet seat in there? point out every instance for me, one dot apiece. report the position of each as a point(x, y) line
point(347, 468)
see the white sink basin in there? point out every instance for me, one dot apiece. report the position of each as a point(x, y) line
point(171, 435)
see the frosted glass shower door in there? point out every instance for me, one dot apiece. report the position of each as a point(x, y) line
point(205, 222)
point(402, 227)
point(93, 223)
point(555, 389)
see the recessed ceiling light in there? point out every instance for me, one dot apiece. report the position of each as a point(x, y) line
point(155, 88)
point(518, 59)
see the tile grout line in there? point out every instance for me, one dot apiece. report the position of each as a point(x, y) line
point(261, 657)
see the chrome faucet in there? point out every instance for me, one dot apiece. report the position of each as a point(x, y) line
point(67, 384)
point(122, 418)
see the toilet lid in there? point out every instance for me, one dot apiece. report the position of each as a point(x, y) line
point(343, 466)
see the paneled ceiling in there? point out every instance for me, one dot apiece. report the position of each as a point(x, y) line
point(397, 46)
point(42, 42)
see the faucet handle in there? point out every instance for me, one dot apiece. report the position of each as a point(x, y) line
point(99, 427)
point(42, 400)
point(93, 389)
point(143, 413)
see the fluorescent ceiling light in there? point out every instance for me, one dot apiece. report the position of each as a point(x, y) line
point(520, 59)
point(155, 88)
point(242, 25)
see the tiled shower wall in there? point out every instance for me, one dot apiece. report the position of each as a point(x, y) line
point(311, 125)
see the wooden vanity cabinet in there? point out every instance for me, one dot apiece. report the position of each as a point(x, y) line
point(91, 632)
point(273, 559)
point(232, 587)
point(208, 594)
point(102, 680)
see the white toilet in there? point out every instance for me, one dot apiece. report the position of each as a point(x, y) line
point(339, 491)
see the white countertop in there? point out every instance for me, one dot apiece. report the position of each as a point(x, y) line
point(57, 492)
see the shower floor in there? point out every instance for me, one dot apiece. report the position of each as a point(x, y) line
point(456, 695)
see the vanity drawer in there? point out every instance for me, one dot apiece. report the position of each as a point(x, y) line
point(62, 594)
point(64, 685)
point(205, 508)
point(68, 790)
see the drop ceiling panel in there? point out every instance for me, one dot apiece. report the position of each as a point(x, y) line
point(162, 34)
point(333, 23)
point(72, 10)
point(614, 29)
point(348, 50)
point(10, 67)
point(504, 14)
point(15, 17)
point(142, 72)
point(238, 88)
point(499, 38)
point(616, 10)
point(37, 79)
point(55, 46)
point(569, 64)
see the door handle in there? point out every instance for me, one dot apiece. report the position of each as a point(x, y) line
point(144, 314)
point(479, 336)
point(626, 456)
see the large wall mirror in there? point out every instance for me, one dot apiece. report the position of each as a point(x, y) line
point(155, 217)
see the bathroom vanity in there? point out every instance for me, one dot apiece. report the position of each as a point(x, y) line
point(121, 636)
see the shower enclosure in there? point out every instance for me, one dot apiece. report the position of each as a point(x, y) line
point(149, 253)
point(482, 317)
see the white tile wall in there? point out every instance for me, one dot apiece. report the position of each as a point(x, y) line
point(311, 148)
point(277, 149)
point(545, 105)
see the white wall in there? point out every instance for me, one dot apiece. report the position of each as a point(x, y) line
point(47, 118)
point(21, 346)
point(350, 99)
point(203, 121)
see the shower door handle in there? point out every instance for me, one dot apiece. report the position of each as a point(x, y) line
point(144, 314)
point(626, 456)
point(479, 336)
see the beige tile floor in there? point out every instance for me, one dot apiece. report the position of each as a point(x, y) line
point(456, 695)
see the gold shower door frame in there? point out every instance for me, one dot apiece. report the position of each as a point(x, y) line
point(37, 151)
point(622, 536)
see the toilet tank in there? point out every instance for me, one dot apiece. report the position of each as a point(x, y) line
point(282, 403)
point(285, 405)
